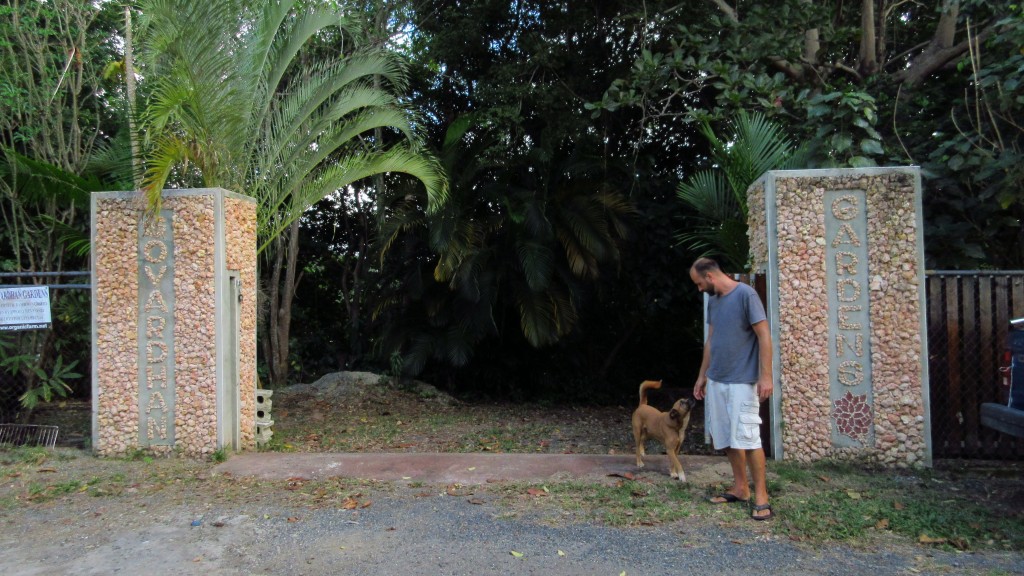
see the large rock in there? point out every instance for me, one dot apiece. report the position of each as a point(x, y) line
point(346, 385)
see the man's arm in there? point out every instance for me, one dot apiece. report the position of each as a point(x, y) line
point(702, 377)
point(765, 382)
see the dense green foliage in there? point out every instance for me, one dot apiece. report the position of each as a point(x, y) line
point(58, 141)
point(935, 87)
point(241, 98)
point(591, 151)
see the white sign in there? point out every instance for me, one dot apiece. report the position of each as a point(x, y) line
point(25, 308)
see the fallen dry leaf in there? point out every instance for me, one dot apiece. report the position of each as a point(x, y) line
point(457, 490)
point(959, 544)
point(882, 524)
point(926, 539)
point(899, 505)
point(626, 475)
point(476, 501)
point(516, 554)
point(293, 518)
point(536, 492)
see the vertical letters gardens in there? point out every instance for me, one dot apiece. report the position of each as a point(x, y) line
point(156, 331)
point(847, 280)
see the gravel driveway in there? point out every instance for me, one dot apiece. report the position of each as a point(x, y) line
point(198, 521)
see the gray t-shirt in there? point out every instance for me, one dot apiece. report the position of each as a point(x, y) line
point(734, 356)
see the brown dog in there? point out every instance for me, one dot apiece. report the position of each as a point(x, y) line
point(669, 427)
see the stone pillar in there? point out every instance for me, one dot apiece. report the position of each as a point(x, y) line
point(843, 254)
point(174, 323)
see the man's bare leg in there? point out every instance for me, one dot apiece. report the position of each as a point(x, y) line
point(756, 460)
point(739, 489)
point(738, 461)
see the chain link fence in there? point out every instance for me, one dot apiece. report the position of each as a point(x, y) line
point(969, 317)
point(45, 373)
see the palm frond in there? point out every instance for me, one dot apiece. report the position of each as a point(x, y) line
point(535, 258)
point(709, 195)
point(754, 145)
point(545, 316)
point(277, 211)
point(75, 240)
point(35, 181)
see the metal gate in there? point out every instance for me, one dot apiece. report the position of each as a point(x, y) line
point(47, 370)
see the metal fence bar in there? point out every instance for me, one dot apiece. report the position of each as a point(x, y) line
point(70, 274)
point(28, 435)
point(43, 274)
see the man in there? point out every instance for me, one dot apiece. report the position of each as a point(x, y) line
point(735, 377)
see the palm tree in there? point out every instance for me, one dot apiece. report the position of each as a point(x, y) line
point(238, 98)
point(753, 145)
point(515, 244)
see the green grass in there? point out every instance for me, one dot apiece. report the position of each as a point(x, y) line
point(24, 455)
point(822, 503)
point(844, 502)
point(625, 503)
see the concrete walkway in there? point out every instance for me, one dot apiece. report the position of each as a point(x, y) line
point(473, 468)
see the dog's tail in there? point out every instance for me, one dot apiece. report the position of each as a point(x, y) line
point(645, 386)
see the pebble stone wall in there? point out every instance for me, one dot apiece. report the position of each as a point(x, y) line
point(899, 402)
point(240, 246)
point(116, 381)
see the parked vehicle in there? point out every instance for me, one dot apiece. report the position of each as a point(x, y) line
point(1015, 370)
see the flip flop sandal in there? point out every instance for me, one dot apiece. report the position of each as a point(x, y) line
point(759, 508)
point(727, 498)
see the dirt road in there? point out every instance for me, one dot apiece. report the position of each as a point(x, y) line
point(84, 516)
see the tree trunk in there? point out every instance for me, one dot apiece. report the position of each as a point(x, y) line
point(282, 317)
point(868, 64)
point(283, 280)
point(129, 78)
point(812, 44)
point(941, 50)
point(270, 347)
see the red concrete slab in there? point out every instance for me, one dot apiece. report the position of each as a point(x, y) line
point(474, 468)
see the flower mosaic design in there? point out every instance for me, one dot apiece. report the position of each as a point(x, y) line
point(852, 415)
